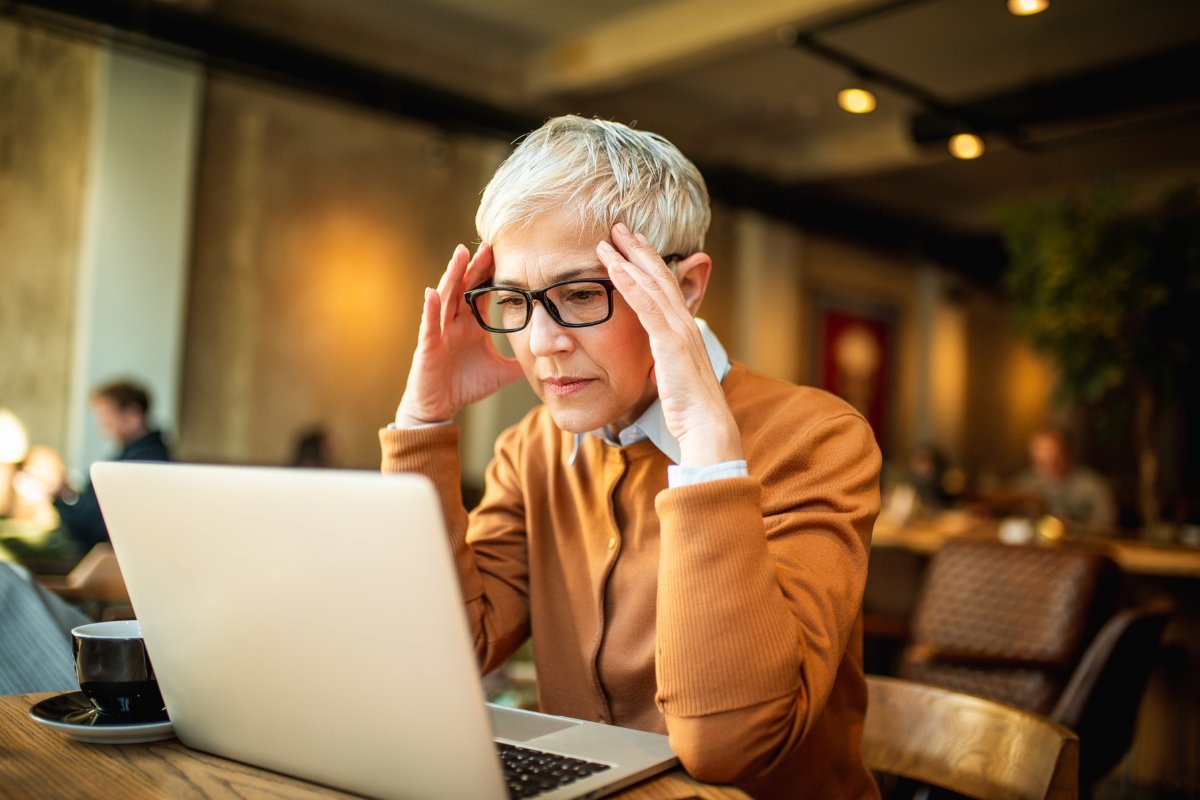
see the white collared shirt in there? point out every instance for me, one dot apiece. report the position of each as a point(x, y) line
point(652, 425)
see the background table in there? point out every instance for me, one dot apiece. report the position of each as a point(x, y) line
point(37, 762)
point(1134, 557)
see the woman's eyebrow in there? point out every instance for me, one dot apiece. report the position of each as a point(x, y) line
point(590, 271)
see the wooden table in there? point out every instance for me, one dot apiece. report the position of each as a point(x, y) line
point(36, 762)
point(1134, 557)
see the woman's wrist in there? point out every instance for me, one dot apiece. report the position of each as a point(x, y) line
point(716, 444)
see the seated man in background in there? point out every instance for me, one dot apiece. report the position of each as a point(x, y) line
point(685, 540)
point(1062, 488)
point(122, 412)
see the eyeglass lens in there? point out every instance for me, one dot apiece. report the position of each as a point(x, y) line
point(573, 303)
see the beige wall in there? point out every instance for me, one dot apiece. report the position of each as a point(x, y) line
point(47, 89)
point(1011, 391)
point(317, 228)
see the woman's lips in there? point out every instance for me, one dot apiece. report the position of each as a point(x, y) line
point(564, 387)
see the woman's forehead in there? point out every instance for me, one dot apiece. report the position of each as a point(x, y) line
point(548, 249)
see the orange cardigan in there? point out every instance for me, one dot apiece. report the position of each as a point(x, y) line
point(726, 614)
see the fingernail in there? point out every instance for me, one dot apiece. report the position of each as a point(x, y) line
point(605, 247)
point(620, 226)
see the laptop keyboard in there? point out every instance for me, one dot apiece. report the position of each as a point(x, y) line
point(530, 772)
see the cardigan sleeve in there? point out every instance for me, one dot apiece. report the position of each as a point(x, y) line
point(760, 586)
point(492, 563)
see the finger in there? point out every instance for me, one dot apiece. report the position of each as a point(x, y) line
point(430, 327)
point(451, 284)
point(643, 290)
point(638, 251)
point(640, 294)
point(481, 267)
point(644, 259)
point(448, 276)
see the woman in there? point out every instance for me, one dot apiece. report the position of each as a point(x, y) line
point(684, 540)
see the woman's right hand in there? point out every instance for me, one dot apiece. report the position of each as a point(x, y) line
point(456, 362)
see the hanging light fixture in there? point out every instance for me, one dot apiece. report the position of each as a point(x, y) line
point(966, 146)
point(1026, 8)
point(856, 100)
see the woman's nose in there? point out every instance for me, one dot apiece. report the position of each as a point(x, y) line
point(546, 336)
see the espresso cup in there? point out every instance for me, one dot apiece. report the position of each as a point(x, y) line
point(114, 670)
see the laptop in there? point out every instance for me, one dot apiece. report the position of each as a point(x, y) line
point(311, 622)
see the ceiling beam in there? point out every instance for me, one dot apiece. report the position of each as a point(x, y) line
point(667, 37)
point(1163, 80)
point(978, 257)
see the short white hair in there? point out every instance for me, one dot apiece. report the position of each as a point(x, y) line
point(605, 172)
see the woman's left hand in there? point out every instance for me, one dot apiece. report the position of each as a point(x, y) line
point(692, 400)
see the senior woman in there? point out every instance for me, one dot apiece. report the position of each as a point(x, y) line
point(685, 540)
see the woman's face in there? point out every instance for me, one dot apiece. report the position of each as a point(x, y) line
point(587, 377)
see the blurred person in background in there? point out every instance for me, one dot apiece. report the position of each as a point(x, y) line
point(1054, 484)
point(122, 412)
point(313, 449)
point(927, 486)
point(32, 509)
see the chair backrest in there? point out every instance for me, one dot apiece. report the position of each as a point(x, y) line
point(97, 576)
point(1007, 622)
point(967, 744)
point(1100, 703)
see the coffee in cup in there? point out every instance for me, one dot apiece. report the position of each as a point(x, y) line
point(114, 670)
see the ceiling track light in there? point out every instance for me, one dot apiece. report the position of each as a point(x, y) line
point(966, 146)
point(1026, 8)
point(950, 117)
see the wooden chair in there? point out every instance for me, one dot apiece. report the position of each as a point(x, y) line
point(967, 744)
point(95, 583)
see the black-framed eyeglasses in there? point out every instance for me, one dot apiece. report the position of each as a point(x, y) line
point(575, 303)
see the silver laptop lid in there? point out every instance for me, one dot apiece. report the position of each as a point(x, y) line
point(275, 604)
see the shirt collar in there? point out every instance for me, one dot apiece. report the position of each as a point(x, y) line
point(652, 424)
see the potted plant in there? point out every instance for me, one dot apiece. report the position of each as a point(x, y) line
point(1113, 296)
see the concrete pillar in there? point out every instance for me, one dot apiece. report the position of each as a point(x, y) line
point(137, 220)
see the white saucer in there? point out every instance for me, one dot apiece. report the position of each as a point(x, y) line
point(73, 714)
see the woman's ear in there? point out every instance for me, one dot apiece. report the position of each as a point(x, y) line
point(693, 273)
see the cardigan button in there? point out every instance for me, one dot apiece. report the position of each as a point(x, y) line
point(612, 543)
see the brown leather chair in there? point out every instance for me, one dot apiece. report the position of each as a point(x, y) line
point(1101, 701)
point(967, 744)
point(1033, 626)
point(1007, 622)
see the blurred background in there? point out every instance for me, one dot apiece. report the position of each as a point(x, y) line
point(238, 202)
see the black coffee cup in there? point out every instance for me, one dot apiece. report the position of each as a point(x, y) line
point(114, 670)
